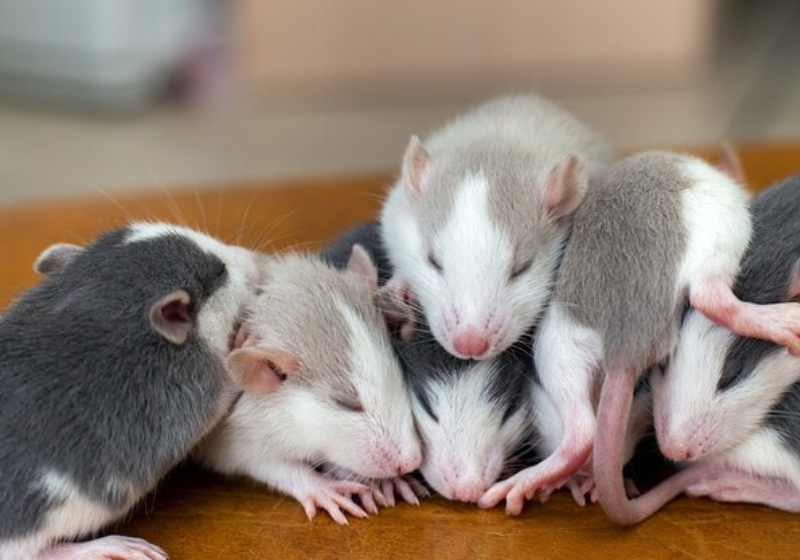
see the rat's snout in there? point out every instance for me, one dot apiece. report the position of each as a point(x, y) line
point(471, 342)
point(393, 460)
point(464, 488)
point(685, 444)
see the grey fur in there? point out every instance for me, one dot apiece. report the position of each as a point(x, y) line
point(620, 267)
point(423, 359)
point(90, 391)
point(299, 292)
point(369, 236)
point(768, 271)
point(514, 142)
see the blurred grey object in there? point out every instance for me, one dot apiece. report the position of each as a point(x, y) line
point(111, 55)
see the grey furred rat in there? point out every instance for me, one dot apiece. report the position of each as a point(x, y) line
point(660, 229)
point(474, 417)
point(113, 370)
point(332, 418)
point(731, 404)
point(475, 225)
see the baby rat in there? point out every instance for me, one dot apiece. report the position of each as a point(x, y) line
point(328, 399)
point(475, 225)
point(112, 368)
point(731, 403)
point(660, 228)
point(473, 417)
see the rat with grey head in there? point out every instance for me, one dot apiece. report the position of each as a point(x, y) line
point(661, 228)
point(473, 417)
point(113, 369)
point(330, 393)
point(475, 226)
point(732, 404)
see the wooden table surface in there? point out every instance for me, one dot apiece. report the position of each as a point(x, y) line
point(196, 515)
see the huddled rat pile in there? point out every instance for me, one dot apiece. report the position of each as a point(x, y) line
point(524, 312)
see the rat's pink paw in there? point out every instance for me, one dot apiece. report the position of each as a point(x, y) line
point(779, 323)
point(335, 497)
point(581, 485)
point(108, 548)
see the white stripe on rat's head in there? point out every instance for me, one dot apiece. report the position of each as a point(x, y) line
point(481, 288)
point(466, 435)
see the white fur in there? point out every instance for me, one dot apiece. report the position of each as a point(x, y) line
point(277, 438)
point(718, 224)
point(76, 516)
point(691, 415)
point(764, 455)
point(477, 257)
point(466, 450)
point(568, 358)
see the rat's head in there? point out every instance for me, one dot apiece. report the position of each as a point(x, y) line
point(319, 351)
point(716, 389)
point(183, 286)
point(471, 416)
point(477, 233)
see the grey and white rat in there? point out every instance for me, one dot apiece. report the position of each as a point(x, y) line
point(332, 413)
point(113, 369)
point(475, 225)
point(660, 229)
point(731, 404)
point(473, 417)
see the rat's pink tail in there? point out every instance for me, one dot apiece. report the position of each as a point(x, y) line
point(612, 423)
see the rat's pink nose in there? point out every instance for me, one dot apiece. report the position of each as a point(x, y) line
point(468, 492)
point(471, 343)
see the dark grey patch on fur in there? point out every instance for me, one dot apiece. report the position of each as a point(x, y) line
point(766, 275)
point(368, 235)
point(620, 266)
point(423, 359)
point(767, 271)
point(90, 391)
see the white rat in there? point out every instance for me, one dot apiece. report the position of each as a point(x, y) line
point(328, 409)
point(660, 228)
point(732, 404)
point(475, 226)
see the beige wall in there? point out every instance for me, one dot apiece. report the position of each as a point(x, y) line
point(371, 47)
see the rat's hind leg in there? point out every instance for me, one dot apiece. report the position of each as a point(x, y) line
point(728, 485)
point(566, 361)
point(777, 322)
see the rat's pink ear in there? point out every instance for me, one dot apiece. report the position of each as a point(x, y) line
point(170, 317)
point(565, 187)
point(261, 370)
point(416, 163)
point(396, 304)
point(56, 257)
point(361, 265)
point(730, 164)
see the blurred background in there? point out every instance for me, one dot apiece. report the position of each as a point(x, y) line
point(131, 94)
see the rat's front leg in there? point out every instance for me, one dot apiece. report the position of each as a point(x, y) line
point(382, 492)
point(312, 489)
